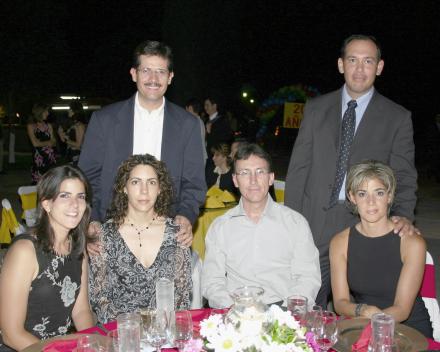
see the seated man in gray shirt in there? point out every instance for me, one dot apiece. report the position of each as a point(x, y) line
point(259, 242)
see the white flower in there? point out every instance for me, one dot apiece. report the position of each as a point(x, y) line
point(227, 339)
point(54, 264)
point(209, 327)
point(62, 330)
point(68, 290)
point(41, 327)
point(283, 317)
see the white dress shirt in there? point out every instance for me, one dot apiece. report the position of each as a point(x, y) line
point(277, 254)
point(148, 128)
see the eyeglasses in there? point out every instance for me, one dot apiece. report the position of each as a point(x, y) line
point(247, 173)
point(148, 72)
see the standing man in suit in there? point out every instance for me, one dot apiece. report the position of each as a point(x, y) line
point(323, 151)
point(147, 123)
point(218, 129)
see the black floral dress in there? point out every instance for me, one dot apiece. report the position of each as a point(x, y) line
point(43, 158)
point(119, 283)
point(52, 294)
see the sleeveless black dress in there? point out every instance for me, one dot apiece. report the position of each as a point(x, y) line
point(373, 271)
point(52, 294)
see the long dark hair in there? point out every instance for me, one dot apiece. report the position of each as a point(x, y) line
point(48, 188)
point(119, 206)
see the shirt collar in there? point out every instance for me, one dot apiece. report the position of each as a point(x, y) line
point(213, 116)
point(155, 112)
point(268, 209)
point(363, 99)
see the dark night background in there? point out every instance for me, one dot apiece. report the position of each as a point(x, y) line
point(50, 47)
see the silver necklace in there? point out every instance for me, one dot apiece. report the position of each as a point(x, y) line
point(140, 230)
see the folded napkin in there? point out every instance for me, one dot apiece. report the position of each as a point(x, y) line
point(60, 346)
point(361, 345)
point(433, 345)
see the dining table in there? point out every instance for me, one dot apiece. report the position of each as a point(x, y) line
point(349, 332)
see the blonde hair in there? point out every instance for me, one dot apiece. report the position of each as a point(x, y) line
point(367, 170)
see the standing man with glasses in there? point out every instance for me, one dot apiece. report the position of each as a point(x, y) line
point(147, 123)
point(342, 128)
point(259, 242)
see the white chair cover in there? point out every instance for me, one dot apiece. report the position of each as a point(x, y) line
point(197, 298)
point(432, 306)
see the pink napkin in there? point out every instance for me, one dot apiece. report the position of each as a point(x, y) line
point(361, 345)
point(433, 345)
point(60, 346)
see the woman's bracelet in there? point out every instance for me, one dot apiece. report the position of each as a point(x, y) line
point(357, 310)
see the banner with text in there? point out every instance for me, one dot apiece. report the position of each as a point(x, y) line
point(293, 114)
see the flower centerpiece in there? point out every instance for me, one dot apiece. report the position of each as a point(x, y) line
point(280, 333)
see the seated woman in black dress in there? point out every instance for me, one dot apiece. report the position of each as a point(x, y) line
point(43, 280)
point(381, 270)
point(221, 175)
point(139, 243)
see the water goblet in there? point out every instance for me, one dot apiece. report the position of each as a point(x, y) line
point(325, 330)
point(157, 329)
point(312, 314)
point(87, 343)
point(297, 305)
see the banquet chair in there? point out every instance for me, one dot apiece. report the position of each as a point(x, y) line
point(196, 266)
point(279, 190)
point(28, 196)
point(9, 223)
point(429, 296)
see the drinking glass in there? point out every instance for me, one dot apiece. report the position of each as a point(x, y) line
point(382, 333)
point(87, 343)
point(113, 342)
point(312, 314)
point(297, 305)
point(326, 331)
point(157, 329)
point(181, 328)
point(146, 316)
point(129, 332)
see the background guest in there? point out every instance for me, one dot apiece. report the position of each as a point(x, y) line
point(43, 141)
point(139, 243)
point(221, 174)
point(43, 281)
point(193, 106)
point(382, 271)
point(73, 134)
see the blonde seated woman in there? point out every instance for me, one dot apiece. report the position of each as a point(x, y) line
point(43, 280)
point(382, 271)
point(139, 243)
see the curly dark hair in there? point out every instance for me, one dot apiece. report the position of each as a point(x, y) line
point(48, 188)
point(119, 205)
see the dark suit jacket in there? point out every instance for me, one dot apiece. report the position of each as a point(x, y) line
point(385, 133)
point(109, 141)
point(221, 132)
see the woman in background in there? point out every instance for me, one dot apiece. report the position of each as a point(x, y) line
point(221, 175)
point(139, 243)
point(43, 280)
point(43, 141)
point(382, 270)
point(73, 136)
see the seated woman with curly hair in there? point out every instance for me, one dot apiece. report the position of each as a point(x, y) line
point(139, 243)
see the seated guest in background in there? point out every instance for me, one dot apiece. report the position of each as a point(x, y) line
point(73, 135)
point(259, 242)
point(221, 175)
point(43, 280)
point(139, 243)
point(382, 271)
point(235, 144)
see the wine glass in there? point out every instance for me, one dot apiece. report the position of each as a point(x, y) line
point(325, 330)
point(297, 305)
point(156, 329)
point(181, 328)
point(312, 314)
point(87, 343)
